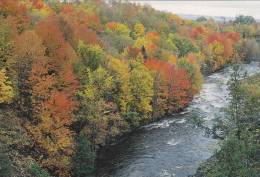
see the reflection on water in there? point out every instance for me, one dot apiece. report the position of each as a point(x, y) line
point(172, 147)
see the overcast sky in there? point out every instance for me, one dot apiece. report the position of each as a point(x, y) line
point(207, 8)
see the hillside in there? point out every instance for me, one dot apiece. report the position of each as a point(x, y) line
point(76, 76)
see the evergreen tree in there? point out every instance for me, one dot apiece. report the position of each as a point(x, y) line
point(5, 166)
point(37, 171)
point(236, 108)
point(84, 158)
point(239, 149)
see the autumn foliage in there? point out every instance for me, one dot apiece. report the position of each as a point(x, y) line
point(98, 69)
point(174, 85)
point(226, 39)
point(6, 89)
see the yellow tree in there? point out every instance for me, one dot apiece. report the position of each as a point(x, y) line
point(216, 55)
point(6, 90)
point(93, 104)
point(120, 72)
point(117, 28)
point(139, 30)
point(142, 88)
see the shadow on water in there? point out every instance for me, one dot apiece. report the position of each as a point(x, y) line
point(175, 146)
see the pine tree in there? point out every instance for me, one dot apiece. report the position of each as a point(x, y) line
point(5, 166)
point(235, 110)
point(84, 158)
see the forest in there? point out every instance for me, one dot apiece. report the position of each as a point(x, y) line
point(75, 77)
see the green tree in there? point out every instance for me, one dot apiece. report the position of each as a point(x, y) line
point(119, 42)
point(91, 55)
point(246, 30)
point(243, 19)
point(93, 98)
point(234, 159)
point(37, 171)
point(5, 44)
point(55, 5)
point(201, 19)
point(250, 48)
point(170, 44)
point(5, 166)
point(235, 110)
point(84, 158)
point(184, 45)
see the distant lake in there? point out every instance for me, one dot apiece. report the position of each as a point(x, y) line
point(207, 8)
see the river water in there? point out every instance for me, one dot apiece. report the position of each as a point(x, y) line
point(174, 146)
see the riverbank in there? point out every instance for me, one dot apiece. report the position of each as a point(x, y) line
point(207, 164)
point(239, 151)
point(161, 118)
point(173, 145)
point(124, 136)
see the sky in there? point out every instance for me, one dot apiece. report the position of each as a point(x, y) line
point(207, 8)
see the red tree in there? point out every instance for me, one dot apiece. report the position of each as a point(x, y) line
point(173, 86)
point(56, 45)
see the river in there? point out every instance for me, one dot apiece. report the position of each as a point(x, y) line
point(174, 146)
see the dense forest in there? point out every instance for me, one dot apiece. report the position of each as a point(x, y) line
point(76, 76)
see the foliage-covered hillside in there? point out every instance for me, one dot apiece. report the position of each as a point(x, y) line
point(74, 77)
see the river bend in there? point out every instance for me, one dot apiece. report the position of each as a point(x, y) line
point(172, 147)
